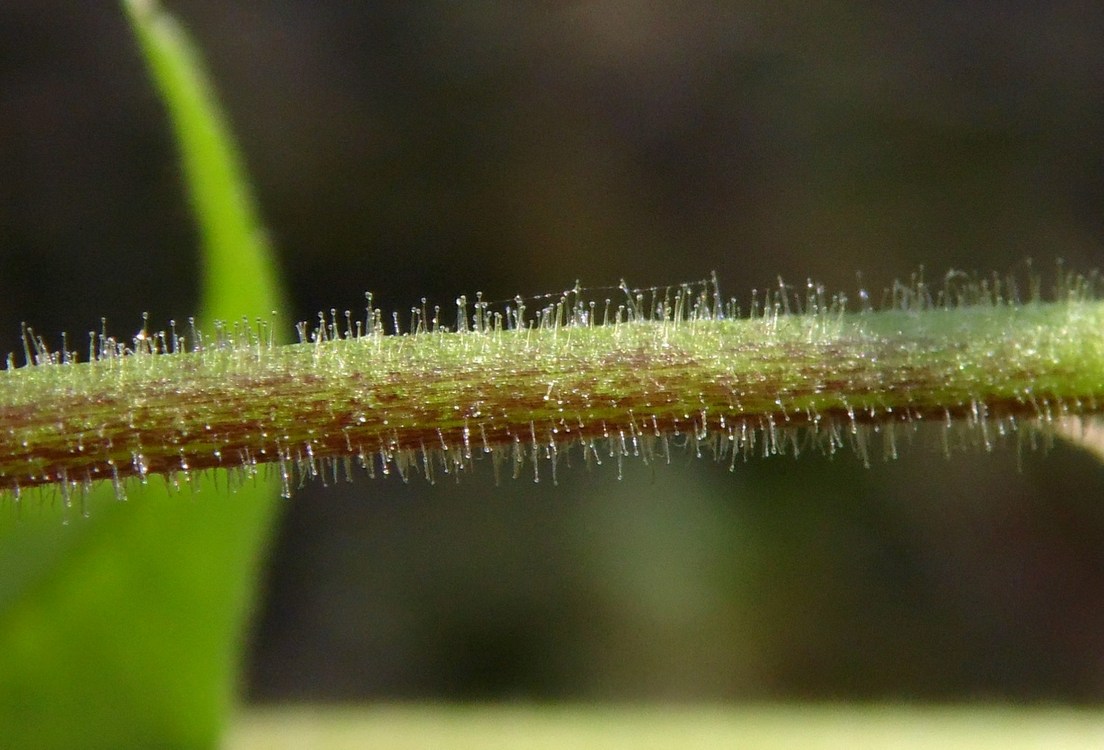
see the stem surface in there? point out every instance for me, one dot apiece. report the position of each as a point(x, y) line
point(437, 400)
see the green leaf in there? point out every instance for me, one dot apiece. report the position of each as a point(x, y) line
point(123, 629)
point(239, 275)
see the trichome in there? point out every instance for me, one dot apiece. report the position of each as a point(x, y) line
point(521, 386)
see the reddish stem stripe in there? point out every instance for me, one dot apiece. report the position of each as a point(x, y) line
point(443, 399)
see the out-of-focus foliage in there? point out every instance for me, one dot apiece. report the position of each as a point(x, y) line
point(658, 728)
point(125, 628)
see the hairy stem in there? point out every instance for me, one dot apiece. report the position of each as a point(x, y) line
point(520, 392)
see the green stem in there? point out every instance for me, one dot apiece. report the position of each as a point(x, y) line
point(435, 400)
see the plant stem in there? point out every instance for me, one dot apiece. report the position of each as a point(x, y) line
point(520, 392)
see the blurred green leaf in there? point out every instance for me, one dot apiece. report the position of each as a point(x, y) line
point(123, 629)
point(761, 726)
point(239, 275)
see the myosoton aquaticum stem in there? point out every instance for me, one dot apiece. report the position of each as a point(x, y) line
point(640, 375)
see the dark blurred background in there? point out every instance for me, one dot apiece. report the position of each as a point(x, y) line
point(427, 149)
